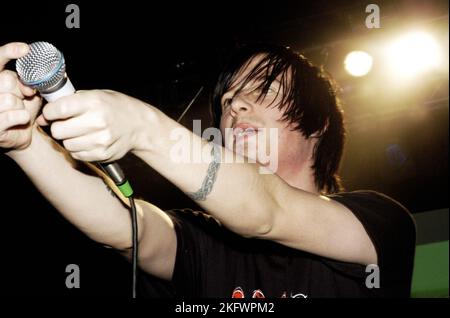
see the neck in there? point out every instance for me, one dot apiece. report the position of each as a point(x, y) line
point(299, 178)
point(295, 168)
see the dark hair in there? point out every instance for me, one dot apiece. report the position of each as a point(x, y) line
point(309, 103)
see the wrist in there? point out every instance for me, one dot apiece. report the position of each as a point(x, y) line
point(27, 149)
point(144, 139)
point(14, 152)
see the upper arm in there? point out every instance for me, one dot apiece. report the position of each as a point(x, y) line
point(320, 226)
point(157, 241)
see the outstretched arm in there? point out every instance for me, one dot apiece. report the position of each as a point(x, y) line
point(254, 204)
point(84, 200)
point(80, 197)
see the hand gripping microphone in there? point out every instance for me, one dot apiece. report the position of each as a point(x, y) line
point(44, 69)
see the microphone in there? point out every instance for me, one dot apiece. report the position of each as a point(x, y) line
point(44, 69)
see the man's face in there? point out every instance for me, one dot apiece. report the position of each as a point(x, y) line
point(252, 120)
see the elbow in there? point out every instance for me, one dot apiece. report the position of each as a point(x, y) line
point(266, 212)
point(259, 231)
point(263, 230)
point(259, 227)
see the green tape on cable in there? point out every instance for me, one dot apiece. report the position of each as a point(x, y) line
point(126, 189)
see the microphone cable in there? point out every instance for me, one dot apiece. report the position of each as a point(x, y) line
point(134, 249)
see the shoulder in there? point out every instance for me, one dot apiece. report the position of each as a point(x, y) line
point(374, 201)
point(388, 223)
point(369, 205)
point(365, 195)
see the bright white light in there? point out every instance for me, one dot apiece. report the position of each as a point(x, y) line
point(413, 54)
point(358, 63)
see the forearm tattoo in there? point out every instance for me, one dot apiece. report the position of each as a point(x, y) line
point(211, 174)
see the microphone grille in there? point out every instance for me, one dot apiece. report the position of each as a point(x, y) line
point(42, 68)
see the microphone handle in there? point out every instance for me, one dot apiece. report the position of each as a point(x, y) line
point(112, 169)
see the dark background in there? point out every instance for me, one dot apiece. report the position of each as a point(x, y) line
point(163, 52)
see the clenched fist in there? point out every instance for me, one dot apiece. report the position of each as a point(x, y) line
point(19, 105)
point(96, 125)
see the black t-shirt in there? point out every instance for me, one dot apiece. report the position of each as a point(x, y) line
point(212, 261)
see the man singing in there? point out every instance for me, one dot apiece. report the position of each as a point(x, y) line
point(292, 232)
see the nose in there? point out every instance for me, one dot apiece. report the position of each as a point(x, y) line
point(237, 103)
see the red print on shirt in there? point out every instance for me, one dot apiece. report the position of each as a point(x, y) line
point(238, 292)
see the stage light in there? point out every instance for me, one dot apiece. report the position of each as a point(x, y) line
point(358, 63)
point(412, 54)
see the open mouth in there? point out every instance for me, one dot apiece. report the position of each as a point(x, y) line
point(239, 133)
point(244, 131)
